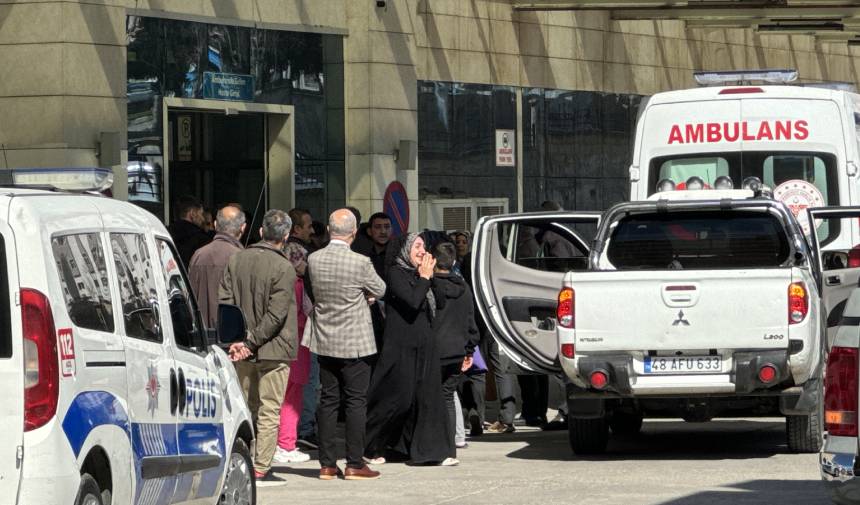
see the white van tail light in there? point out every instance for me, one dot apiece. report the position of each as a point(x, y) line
point(741, 91)
point(41, 369)
point(840, 392)
point(798, 302)
point(565, 309)
point(854, 257)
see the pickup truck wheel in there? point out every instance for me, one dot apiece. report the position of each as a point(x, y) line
point(88, 492)
point(804, 433)
point(625, 424)
point(588, 436)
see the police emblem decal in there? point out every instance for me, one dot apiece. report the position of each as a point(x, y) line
point(681, 321)
point(152, 389)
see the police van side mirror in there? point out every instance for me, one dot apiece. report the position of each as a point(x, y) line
point(231, 324)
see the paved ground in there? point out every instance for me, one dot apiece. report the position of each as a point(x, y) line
point(734, 462)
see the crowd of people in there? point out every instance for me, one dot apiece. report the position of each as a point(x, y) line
point(348, 322)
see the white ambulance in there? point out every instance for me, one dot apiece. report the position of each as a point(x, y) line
point(113, 393)
point(800, 143)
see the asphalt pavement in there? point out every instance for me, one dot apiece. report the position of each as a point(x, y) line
point(738, 462)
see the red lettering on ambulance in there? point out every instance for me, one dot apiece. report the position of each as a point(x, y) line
point(731, 137)
point(714, 132)
point(695, 133)
point(675, 135)
point(764, 131)
point(801, 133)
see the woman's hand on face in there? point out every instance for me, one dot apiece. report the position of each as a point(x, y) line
point(425, 269)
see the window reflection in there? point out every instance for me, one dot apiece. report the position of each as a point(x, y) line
point(81, 266)
point(136, 286)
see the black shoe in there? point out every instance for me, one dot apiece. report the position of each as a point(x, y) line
point(476, 426)
point(269, 480)
point(310, 442)
point(559, 423)
point(535, 422)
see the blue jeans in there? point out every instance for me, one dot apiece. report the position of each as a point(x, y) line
point(311, 392)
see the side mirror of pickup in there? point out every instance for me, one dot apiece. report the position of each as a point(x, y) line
point(231, 324)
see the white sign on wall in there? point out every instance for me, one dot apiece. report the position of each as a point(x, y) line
point(505, 148)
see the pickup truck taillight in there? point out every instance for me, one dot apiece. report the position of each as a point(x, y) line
point(840, 392)
point(41, 369)
point(564, 311)
point(798, 302)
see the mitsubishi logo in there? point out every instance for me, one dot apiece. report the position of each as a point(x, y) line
point(681, 321)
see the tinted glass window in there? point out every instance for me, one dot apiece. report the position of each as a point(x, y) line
point(136, 286)
point(83, 274)
point(553, 247)
point(778, 170)
point(183, 313)
point(698, 240)
point(5, 313)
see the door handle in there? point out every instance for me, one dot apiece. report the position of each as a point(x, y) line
point(174, 397)
point(833, 280)
point(182, 391)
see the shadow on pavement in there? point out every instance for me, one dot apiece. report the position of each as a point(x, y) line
point(723, 439)
point(783, 492)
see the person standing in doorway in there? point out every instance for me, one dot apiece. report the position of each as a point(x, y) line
point(340, 333)
point(208, 263)
point(187, 230)
point(261, 281)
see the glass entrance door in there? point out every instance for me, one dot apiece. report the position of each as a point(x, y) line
point(219, 159)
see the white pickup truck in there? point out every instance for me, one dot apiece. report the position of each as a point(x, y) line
point(694, 304)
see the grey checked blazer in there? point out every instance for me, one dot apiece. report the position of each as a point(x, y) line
point(340, 325)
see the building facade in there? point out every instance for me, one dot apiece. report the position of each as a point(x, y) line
point(321, 103)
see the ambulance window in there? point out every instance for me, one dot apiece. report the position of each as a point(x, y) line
point(681, 169)
point(88, 301)
point(183, 311)
point(136, 286)
point(5, 313)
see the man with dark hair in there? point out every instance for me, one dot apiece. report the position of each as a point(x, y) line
point(208, 263)
point(362, 243)
point(298, 246)
point(261, 281)
point(187, 230)
point(379, 232)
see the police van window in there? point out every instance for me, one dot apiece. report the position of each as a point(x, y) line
point(551, 247)
point(136, 286)
point(183, 311)
point(81, 265)
point(5, 311)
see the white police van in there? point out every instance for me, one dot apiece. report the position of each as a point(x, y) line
point(113, 393)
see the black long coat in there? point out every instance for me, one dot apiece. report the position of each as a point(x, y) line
point(406, 410)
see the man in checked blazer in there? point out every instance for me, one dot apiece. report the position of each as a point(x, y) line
point(339, 331)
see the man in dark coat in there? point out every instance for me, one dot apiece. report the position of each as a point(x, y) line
point(208, 263)
point(187, 231)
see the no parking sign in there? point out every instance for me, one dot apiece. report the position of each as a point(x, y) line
point(396, 205)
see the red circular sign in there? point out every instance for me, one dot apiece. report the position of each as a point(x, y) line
point(396, 205)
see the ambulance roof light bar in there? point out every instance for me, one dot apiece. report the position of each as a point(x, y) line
point(86, 179)
point(729, 77)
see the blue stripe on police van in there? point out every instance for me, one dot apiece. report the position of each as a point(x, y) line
point(196, 439)
point(90, 410)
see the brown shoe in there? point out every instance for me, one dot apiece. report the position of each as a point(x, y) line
point(363, 473)
point(329, 472)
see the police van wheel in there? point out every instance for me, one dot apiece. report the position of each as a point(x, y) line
point(88, 493)
point(804, 433)
point(239, 488)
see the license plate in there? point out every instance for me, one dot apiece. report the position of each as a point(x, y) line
point(683, 364)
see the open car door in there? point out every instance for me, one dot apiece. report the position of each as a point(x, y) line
point(519, 262)
point(839, 268)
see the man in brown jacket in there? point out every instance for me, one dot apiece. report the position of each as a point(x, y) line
point(208, 263)
point(261, 281)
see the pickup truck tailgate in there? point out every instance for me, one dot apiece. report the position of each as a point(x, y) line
point(680, 310)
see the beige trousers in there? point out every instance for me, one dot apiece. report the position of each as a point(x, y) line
point(264, 384)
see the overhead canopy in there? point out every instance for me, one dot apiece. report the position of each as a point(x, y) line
point(826, 19)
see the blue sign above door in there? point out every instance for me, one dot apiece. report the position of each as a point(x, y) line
point(221, 86)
